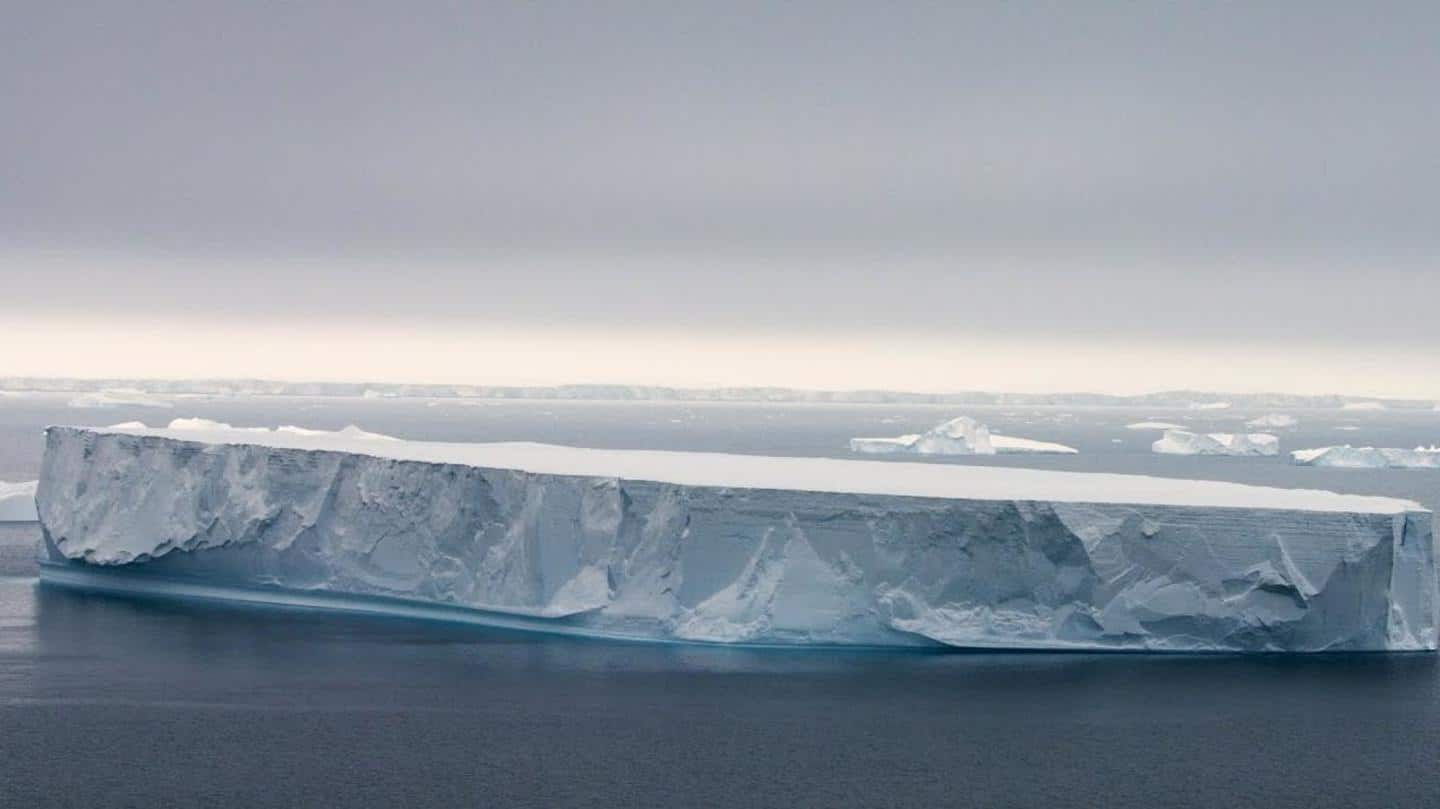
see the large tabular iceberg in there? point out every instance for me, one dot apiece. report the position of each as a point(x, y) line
point(734, 549)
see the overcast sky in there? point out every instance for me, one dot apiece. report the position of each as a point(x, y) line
point(1109, 196)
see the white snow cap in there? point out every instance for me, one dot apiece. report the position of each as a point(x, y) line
point(805, 474)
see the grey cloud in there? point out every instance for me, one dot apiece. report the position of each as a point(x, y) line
point(1093, 167)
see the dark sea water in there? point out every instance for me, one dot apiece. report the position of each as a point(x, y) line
point(108, 701)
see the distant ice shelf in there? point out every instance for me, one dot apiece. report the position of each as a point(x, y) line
point(118, 398)
point(958, 436)
point(700, 547)
point(1181, 442)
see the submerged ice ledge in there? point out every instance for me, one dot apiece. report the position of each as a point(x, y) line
point(736, 549)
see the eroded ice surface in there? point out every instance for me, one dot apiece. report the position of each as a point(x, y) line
point(740, 549)
point(1182, 442)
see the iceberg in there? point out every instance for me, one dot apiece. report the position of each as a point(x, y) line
point(17, 501)
point(207, 425)
point(117, 397)
point(958, 436)
point(1348, 457)
point(1273, 421)
point(1364, 406)
point(728, 549)
point(1180, 442)
point(1154, 425)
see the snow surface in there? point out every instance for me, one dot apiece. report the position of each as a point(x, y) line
point(1181, 442)
point(1348, 457)
point(958, 436)
point(17, 501)
point(1273, 421)
point(1154, 425)
point(731, 549)
point(794, 474)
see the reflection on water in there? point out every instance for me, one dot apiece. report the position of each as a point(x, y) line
point(155, 701)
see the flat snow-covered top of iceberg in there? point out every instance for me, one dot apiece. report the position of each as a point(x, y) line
point(794, 474)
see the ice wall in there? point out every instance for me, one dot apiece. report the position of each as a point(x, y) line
point(666, 560)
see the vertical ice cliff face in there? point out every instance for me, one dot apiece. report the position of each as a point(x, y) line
point(658, 560)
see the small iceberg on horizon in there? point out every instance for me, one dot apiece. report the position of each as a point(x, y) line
point(1348, 457)
point(1273, 421)
point(958, 436)
point(1181, 442)
point(117, 397)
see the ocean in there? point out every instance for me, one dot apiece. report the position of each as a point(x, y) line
point(109, 701)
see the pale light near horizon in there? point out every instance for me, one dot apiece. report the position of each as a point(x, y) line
point(409, 353)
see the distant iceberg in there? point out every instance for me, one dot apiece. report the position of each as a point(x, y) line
point(1273, 421)
point(1348, 457)
point(1364, 406)
point(1154, 425)
point(17, 501)
point(207, 425)
point(958, 436)
point(1209, 405)
point(1180, 442)
point(118, 397)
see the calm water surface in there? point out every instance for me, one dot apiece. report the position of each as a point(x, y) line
point(108, 701)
